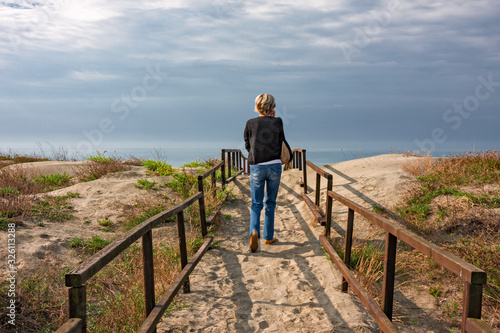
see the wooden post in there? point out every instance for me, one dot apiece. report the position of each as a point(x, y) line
point(348, 246)
point(328, 212)
point(149, 279)
point(223, 169)
point(203, 215)
point(214, 185)
point(318, 186)
point(182, 245)
point(77, 297)
point(304, 170)
point(473, 297)
point(389, 274)
point(229, 164)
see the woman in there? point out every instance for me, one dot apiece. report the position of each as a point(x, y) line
point(263, 138)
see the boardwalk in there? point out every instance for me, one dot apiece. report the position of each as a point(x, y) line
point(289, 286)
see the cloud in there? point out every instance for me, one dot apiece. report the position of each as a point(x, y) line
point(91, 76)
point(410, 61)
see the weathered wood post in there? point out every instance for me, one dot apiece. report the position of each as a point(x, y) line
point(304, 170)
point(391, 242)
point(182, 246)
point(77, 297)
point(328, 211)
point(473, 298)
point(229, 165)
point(348, 245)
point(318, 186)
point(149, 281)
point(201, 202)
point(214, 185)
point(223, 169)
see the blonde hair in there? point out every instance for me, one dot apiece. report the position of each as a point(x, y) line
point(265, 104)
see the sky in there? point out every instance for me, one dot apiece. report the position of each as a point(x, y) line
point(88, 75)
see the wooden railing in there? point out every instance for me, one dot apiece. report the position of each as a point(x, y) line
point(319, 214)
point(77, 278)
point(299, 162)
point(473, 277)
point(233, 159)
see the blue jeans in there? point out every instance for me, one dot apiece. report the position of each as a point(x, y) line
point(260, 176)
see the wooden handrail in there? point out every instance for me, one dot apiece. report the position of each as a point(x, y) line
point(211, 171)
point(474, 278)
point(320, 173)
point(76, 278)
point(456, 265)
point(318, 170)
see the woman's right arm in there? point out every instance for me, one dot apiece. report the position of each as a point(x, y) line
point(246, 136)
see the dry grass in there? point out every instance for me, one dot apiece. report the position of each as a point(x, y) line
point(17, 191)
point(40, 299)
point(94, 170)
point(7, 158)
point(455, 203)
point(367, 259)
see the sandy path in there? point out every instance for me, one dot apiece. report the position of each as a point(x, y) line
point(288, 286)
point(291, 286)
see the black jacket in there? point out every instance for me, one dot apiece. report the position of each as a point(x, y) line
point(263, 137)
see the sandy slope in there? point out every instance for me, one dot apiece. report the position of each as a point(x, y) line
point(39, 240)
point(288, 286)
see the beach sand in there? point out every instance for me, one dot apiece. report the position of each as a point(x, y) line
point(287, 286)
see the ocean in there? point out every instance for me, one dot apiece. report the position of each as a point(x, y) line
point(177, 157)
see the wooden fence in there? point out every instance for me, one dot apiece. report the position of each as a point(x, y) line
point(473, 277)
point(77, 278)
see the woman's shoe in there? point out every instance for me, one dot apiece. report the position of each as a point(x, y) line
point(254, 241)
point(270, 241)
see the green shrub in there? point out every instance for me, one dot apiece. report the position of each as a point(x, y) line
point(54, 180)
point(8, 191)
point(4, 223)
point(92, 245)
point(100, 158)
point(160, 167)
point(145, 184)
point(184, 184)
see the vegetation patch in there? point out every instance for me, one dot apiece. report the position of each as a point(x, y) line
point(40, 300)
point(4, 223)
point(15, 158)
point(54, 208)
point(99, 165)
point(198, 164)
point(51, 182)
point(367, 258)
point(145, 184)
point(146, 212)
point(455, 203)
point(159, 168)
point(91, 245)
